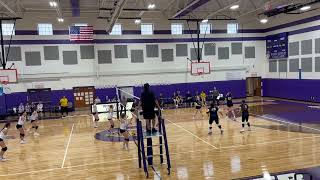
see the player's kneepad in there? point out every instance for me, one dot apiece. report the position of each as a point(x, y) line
point(4, 149)
point(22, 135)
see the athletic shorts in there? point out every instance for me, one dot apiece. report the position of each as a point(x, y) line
point(122, 131)
point(198, 107)
point(18, 126)
point(216, 120)
point(94, 113)
point(230, 104)
point(1, 139)
point(149, 114)
point(33, 121)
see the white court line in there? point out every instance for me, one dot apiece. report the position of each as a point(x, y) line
point(66, 152)
point(192, 134)
point(264, 117)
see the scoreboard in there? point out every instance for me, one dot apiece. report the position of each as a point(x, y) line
point(277, 46)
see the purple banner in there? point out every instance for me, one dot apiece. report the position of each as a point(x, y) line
point(277, 46)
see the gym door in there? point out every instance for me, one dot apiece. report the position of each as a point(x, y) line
point(253, 86)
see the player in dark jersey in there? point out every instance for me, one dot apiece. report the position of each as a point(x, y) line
point(245, 115)
point(213, 116)
point(230, 105)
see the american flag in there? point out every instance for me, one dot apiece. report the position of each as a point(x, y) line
point(81, 33)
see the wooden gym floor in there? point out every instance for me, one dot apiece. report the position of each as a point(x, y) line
point(67, 149)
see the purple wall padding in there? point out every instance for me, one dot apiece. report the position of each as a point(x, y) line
point(102, 93)
point(292, 89)
point(56, 95)
point(237, 87)
point(14, 99)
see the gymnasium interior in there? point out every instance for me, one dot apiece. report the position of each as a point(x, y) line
point(93, 57)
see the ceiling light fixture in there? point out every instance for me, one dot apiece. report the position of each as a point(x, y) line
point(304, 8)
point(60, 20)
point(264, 20)
point(205, 20)
point(234, 7)
point(53, 4)
point(151, 6)
point(137, 21)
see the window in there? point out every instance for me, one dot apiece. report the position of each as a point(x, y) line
point(45, 29)
point(232, 28)
point(205, 28)
point(116, 30)
point(80, 24)
point(176, 28)
point(8, 29)
point(146, 29)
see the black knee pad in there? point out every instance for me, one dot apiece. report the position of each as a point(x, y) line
point(22, 135)
point(126, 139)
point(36, 127)
point(4, 149)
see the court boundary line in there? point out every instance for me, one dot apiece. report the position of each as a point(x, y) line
point(193, 151)
point(66, 152)
point(274, 119)
point(192, 134)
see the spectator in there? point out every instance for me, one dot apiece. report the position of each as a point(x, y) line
point(189, 99)
point(21, 108)
point(97, 100)
point(64, 105)
point(203, 97)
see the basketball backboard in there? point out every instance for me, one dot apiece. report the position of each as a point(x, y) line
point(8, 75)
point(200, 68)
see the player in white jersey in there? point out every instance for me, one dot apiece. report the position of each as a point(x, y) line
point(19, 126)
point(34, 122)
point(124, 123)
point(3, 135)
point(110, 116)
point(95, 114)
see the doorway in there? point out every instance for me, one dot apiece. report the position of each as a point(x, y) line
point(253, 86)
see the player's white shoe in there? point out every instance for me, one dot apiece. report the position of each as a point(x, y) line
point(210, 131)
point(3, 159)
point(22, 142)
point(242, 130)
point(36, 134)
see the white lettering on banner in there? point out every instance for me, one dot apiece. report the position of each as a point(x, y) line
point(289, 176)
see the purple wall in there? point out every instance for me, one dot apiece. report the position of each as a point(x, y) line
point(237, 87)
point(292, 89)
point(102, 93)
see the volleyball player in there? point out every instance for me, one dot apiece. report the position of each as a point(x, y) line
point(3, 135)
point(21, 109)
point(198, 105)
point(245, 115)
point(230, 105)
point(213, 116)
point(34, 122)
point(95, 114)
point(19, 126)
point(124, 123)
point(110, 116)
